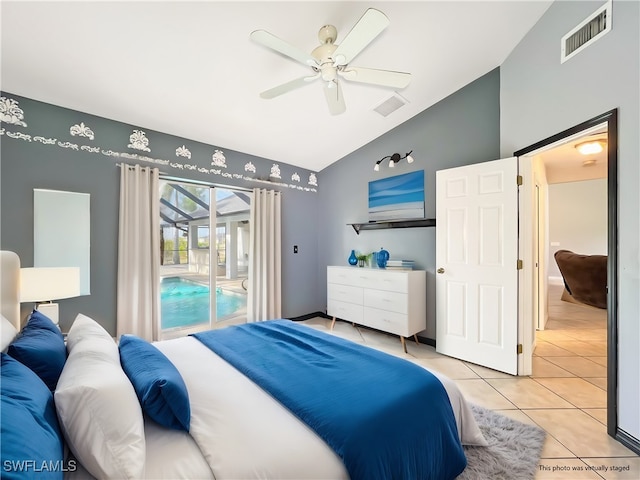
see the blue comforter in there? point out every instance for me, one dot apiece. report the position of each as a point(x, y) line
point(385, 417)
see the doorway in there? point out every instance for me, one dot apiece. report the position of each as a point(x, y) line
point(606, 125)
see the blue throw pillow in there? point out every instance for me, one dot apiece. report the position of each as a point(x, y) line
point(158, 384)
point(32, 445)
point(40, 346)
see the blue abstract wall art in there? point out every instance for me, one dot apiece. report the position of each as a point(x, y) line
point(397, 198)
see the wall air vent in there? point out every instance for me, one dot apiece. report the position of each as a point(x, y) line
point(390, 105)
point(591, 29)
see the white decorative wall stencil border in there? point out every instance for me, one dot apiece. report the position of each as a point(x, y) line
point(139, 141)
point(218, 159)
point(18, 135)
point(183, 151)
point(87, 148)
point(275, 171)
point(46, 141)
point(249, 167)
point(10, 112)
point(82, 131)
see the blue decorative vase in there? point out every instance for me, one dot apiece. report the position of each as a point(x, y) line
point(382, 257)
point(353, 260)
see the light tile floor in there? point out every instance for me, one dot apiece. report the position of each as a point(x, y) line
point(566, 395)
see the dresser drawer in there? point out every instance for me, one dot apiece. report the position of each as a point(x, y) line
point(385, 300)
point(344, 293)
point(391, 322)
point(343, 275)
point(384, 280)
point(346, 311)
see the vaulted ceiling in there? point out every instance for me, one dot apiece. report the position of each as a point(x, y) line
point(190, 69)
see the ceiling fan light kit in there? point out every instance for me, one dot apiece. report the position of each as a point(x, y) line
point(330, 61)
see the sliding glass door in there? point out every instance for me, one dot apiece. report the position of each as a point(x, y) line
point(204, 256)
point(232, 255)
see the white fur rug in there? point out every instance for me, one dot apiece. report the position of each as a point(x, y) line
point(513, 452)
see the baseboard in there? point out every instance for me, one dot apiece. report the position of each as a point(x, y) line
point(628, 441)
point(309, 315)
point(427, 341)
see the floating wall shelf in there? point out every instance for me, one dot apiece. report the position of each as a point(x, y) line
point(422, 222)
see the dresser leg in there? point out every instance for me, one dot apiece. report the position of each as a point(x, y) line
point(415, 337)
point(404, 345)
point(333, 322)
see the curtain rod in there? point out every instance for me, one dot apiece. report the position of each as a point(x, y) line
point(164, 176)
point(170, 178)
point(120, 165)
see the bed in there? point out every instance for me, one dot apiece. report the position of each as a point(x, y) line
point(182, 408)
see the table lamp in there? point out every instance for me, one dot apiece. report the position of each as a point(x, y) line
point(43, 285)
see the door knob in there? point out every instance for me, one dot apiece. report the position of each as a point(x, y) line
point(440, 270)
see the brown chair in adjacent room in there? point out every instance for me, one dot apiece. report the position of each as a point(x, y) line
point(585, 277)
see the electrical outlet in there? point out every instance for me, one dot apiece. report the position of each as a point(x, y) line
point(295, 249)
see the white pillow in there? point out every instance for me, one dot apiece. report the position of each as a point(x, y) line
point(99, 412)
point(7, 333)
point(88, 334)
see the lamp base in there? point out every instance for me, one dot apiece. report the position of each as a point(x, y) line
point(50, 310)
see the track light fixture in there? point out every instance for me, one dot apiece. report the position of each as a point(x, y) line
point(393, 159)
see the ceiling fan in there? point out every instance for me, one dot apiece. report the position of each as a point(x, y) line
point(330, 61)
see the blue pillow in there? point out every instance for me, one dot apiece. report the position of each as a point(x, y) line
point(159, 386)
point(32, 445)
point(40, 346)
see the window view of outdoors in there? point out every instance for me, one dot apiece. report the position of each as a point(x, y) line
point(188, 272)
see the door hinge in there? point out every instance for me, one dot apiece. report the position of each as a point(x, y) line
point(519, 349)
point(519, 265)
point(519, 180)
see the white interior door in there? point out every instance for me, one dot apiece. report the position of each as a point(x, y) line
point(476, 261)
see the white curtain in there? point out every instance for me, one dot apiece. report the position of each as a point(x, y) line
point(138, 290)
point(265, 255)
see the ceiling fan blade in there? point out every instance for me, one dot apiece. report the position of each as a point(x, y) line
point(287, 87)
point(386, 78)
point(370, 25)
point(271, 41)
point(335, 100)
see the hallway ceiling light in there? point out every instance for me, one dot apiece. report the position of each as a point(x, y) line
point(591, 147)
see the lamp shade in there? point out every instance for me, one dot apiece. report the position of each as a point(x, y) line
point(49, 283)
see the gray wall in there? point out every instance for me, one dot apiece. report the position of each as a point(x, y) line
point(28, 163)
point(459, 130)
point(577, 219)
point(541, 97)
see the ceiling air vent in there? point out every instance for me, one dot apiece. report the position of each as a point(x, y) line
point(390, 105)
point(590, 30)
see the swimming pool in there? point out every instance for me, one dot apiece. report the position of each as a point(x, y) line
point(184, 303)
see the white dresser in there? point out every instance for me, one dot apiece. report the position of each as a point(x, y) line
point(393, 301)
